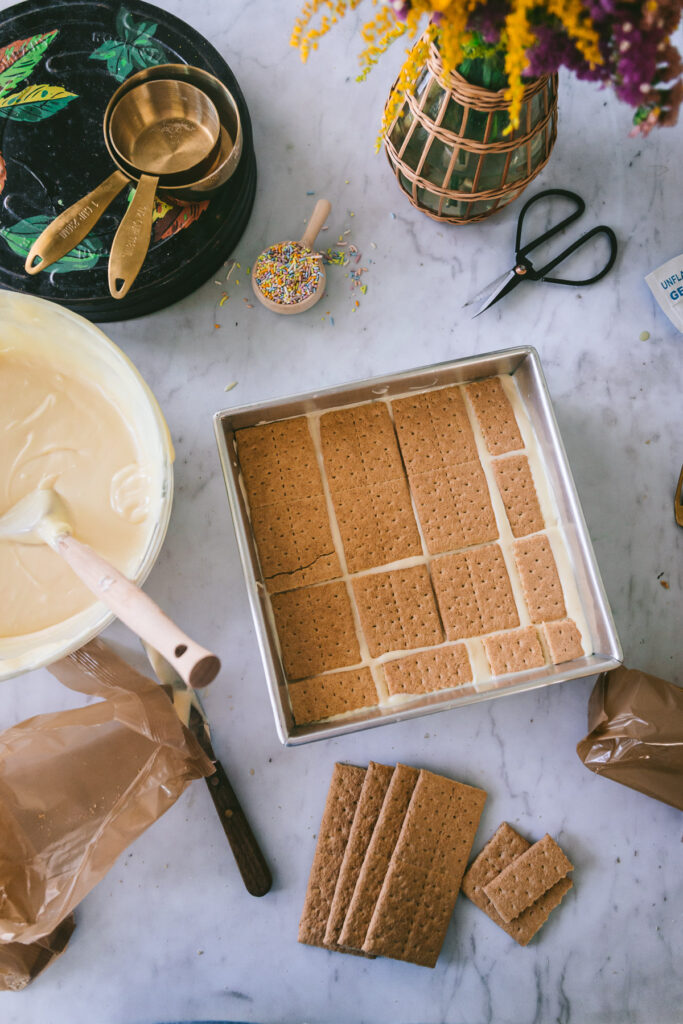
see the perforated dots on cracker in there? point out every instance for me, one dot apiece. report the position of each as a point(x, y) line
point(397, 610)
point(434, 430)
point(495, 415)
point(429, 671)
point(315, 628)
point(474, 593)
point(563, 640)
point(336, 693)
point(517, 651)
point(516, 486)
point(540, 579)
point(454, 507)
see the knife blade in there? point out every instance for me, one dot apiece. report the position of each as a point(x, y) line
point(246, 851)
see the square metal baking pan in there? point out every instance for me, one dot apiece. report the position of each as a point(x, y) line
point(525, 365)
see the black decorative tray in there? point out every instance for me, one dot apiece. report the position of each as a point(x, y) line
point(60, 62)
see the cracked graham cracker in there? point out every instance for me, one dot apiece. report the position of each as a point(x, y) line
point(342, 799)
point(473, 592)
point(454, 507)
point(434, 430)
point(495, 415)
point(527, 878)
point(337, 693)
point(517, 489)
point(375, 786)
point(500, 851)
point(563, 641)
point(359, 447)
point(423, 879)
point(429, 671)
point(514, 652)
point(316, 630)
point(397, 610)
point(374, 867)
point(539, 578)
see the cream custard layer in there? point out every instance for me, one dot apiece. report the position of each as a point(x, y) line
point(60, 428)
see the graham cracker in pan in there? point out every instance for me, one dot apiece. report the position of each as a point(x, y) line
point(517, 651)
point(454, 507)
point(423, 879)
point(517, 489)
point(316, 630)
point(563, 641)
point(473, 592)
point(429, 671)
point(434, 430)
point(340, 808)
point(527, 878)
point(336, 693)
point(500, 851)
point(397, 610)
point(287, 504)
point(375, 785)
point(495, 415)
point(540, 579)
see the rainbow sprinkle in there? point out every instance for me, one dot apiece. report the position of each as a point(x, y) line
point(287, 273)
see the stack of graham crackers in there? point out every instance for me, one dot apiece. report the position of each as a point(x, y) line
point(389, 860)
point(404, 548)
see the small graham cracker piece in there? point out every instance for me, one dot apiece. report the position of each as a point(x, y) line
point(540, 579)
point(359, 447)
point(496, 416)
point(454, 507)
point(500, 851)
point(374, 868)
point(397, 610)
point(342, 799)
point(375, 786)
point(422, 882)
point(377, 524)
point(563, 641)
point(474, 593)
point(514, 652)
point(429, 671)
point(295, 543)
point(527, 878)
point(316, 629)
point(434, 430)
point(323, 697)
point(516, 486)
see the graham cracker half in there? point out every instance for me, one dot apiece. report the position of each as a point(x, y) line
point(474, 593)
point(454, 506)
point(540, 579)
point(434, 430)
point(527, 878)
point(514, 652)
point(342, 799)
point(374, 868)
point(429, 671)
point(563, 641)
point(278, 462)
point(397, 610)
point(422, 882)
point(496, 416)
point(516, 486)
point(316, 630)
point(500, 851)
point(375, 786)
point(334, 694)
point(359, 447)
point(377, 524)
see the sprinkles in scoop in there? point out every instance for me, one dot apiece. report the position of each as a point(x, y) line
point(287, 273)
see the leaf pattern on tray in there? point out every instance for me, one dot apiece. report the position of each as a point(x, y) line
point(84, 256)
point(35, 102)
point(172, 215)
point(134, 48)
point(18, 59)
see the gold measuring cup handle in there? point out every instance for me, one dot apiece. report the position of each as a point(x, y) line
point(71, 226)
point(131, 240)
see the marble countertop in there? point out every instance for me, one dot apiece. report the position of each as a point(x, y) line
point(170, 934)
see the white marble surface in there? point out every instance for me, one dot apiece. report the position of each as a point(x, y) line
point(170, 934)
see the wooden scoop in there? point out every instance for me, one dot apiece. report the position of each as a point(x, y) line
point(303, 247)
point(42, 518)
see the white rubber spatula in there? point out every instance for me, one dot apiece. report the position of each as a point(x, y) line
point(41, 518)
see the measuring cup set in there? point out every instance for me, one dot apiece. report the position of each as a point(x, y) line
point(172, 129)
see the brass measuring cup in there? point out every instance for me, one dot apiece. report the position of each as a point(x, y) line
point(164, 120)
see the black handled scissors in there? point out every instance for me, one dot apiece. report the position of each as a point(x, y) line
point(524, 270)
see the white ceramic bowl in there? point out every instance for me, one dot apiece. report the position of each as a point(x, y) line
point(67, 336)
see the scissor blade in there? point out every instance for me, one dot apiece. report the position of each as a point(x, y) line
point(493, 292)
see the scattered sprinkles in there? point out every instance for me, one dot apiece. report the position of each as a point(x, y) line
point(287, 273)
point(644, 336)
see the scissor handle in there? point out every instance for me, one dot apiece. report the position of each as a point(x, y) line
point(555, 230)
point(601, 229)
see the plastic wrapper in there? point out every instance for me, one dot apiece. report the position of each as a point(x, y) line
point(76, 788)
point(635, 733)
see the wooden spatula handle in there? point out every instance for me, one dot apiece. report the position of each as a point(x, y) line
point(250, 861)
point(320, 214)
point(193, 663)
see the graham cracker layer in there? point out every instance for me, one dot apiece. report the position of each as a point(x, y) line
point(278, 462)
point(495, 415)
point(527, 878)
point(381, 847)
point(375, 786)
point(500, 851)
point(316, 630)
point(342, 799)
point(563, 641)
point(474, 593)
point(429, 671)
point(334, 694)
point(540, 579)
point(514, 652)
point(377, 524)
point(397, 610)
point(359, 447)
point(434, 430)
point(516, 486)
point(422, 882)
point(454, 506)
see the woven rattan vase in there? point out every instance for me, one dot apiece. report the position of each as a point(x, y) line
point(447, 147)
